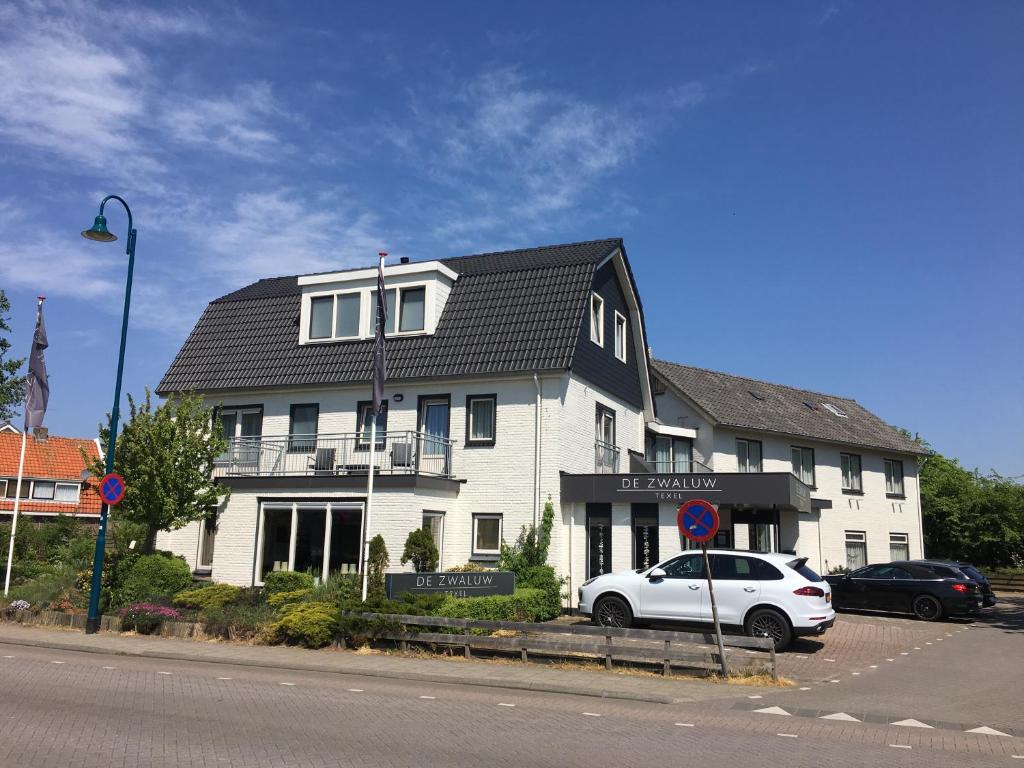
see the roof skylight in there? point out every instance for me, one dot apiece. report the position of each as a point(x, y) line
point(835, 409)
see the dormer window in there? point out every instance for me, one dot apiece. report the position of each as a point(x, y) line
point(342, 306)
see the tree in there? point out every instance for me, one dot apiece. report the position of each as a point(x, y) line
point(531, 546)
point(166, 457)
point(378, 561)
point(421, 549)
point(12, 386)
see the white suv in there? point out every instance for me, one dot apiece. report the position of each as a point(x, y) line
point(767, 594)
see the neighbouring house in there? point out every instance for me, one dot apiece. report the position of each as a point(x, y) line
point(52, 483)
point(514, 377)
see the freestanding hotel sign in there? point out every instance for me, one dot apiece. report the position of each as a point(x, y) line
point(478, 584)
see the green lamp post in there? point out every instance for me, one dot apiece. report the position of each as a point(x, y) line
point(101, 234)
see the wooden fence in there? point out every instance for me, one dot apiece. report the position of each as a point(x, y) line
point(685, 650)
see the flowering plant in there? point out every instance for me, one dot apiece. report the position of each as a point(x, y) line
point(20, 605)
point(146, 618)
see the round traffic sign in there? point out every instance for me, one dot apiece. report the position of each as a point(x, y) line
point(697, 520)
point(112, 489)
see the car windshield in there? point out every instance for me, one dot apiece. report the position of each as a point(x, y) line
point(800, 566)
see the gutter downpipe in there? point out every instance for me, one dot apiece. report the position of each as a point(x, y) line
point(536, 455)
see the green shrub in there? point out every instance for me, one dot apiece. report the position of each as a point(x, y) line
point(340, 588)
point(243, 620)
point(543, 577)
point(279, 599)
point(312, 625)
point(421, 550)
point(378, 563)
point(359, 629)
point(152, 576)
point(286, 581)
point(207, 597)
point(524, 605)
point(47, 588)
point(468, 568)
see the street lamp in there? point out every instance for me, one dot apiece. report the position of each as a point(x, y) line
point(100, 234)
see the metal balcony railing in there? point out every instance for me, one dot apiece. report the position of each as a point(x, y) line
point(396, 453)
point(680, 466)
point(606, 458)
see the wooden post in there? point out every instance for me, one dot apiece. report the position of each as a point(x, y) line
point(775, 669)
point(524, 654)
point(665, 669)
point(608, 653)
point(466, 648)
point(714, 612)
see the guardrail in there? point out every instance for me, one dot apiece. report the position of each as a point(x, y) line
point(1007, 583)
point(688, 650)
point(396, 452)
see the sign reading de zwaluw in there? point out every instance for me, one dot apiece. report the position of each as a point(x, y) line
point(477, 584)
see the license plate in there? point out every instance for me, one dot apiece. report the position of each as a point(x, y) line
point(828, 597)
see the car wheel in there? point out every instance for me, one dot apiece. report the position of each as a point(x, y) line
point(612, 611)
point(927, 608)
point(766, 622)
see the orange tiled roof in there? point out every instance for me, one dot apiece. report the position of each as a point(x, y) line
point(57, 458)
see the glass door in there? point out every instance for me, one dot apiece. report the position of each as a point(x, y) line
point(599, 539)
point(434, 426)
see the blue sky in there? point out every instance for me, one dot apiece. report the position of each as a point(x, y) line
point(824, 194)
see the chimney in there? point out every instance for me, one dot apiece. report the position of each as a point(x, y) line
point(404, 260)
point(40, 434)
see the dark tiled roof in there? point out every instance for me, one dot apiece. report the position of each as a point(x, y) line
point(512, 311)
point(735, 401)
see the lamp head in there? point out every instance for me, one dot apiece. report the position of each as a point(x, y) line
point(99, 231)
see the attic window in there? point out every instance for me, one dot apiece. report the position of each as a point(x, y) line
point(756, 395)
point(834, 409)
point(810, 405)
point(597, 320)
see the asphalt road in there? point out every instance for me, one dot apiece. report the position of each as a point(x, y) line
point(64, 708)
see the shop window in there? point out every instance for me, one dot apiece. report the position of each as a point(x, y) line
point(317, 538)
point(645, 535)
point(599, 539)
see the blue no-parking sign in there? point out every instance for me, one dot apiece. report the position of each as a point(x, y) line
point(697, 520)
point(112, 489)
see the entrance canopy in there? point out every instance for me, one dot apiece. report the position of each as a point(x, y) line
point(781, 490)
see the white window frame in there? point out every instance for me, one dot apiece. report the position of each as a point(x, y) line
point(856, 479)
point(890, 479)
point(900, 540)
point(798, 471)
point(78, 492)
point(296, 507)
point(597, 323)
point(621, 335)
point(493, 400)
point(487, 516)
point(440, 534)
point(760, 462)
point(35, 485)
point(855, 537)
point(371, 327)
point(367, 327)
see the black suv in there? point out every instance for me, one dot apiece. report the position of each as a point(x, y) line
point(988, 597)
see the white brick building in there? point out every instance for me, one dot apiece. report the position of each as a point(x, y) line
point(514, 377)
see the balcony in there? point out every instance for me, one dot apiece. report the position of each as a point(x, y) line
point(397, 453)
point(678, 466)
point(606, 458)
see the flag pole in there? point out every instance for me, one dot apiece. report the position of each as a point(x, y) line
point(378, 376)
point(21, 460)
point(14, 520)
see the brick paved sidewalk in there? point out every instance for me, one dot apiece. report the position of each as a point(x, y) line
point(531, 676)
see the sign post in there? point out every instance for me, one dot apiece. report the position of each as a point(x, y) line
point(698, 522)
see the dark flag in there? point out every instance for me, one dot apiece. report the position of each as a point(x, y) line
point(37, 386)
point(380, 368)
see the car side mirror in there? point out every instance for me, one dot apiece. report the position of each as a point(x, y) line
point(656, 573)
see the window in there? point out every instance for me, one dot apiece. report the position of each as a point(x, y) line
point(748, 455)
point(850, 464)
point(43, 490)
point(835, 410)
point(894, 478)
point(321, 309)
point(597, 320)
point(803, 465)
point(856, 549)
point(12, 488)
point(67, 492)
point(389, 302)
point(242, 426)
point(899, 546)
point(346, 324)
point(685, 567)
point(607, 454)
point(364, 408)
point(486, 534)
point(317, 537)
point(302, 427)
point(3, 487)
point(620, 337)
point(645, 535)
point(669, 454)
point(411, 314)
point(481, 412)
point(434, 522)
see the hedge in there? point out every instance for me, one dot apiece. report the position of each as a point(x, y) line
point(526, 604)
point(210, 596)
point(313, 625)
point(286, 581)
